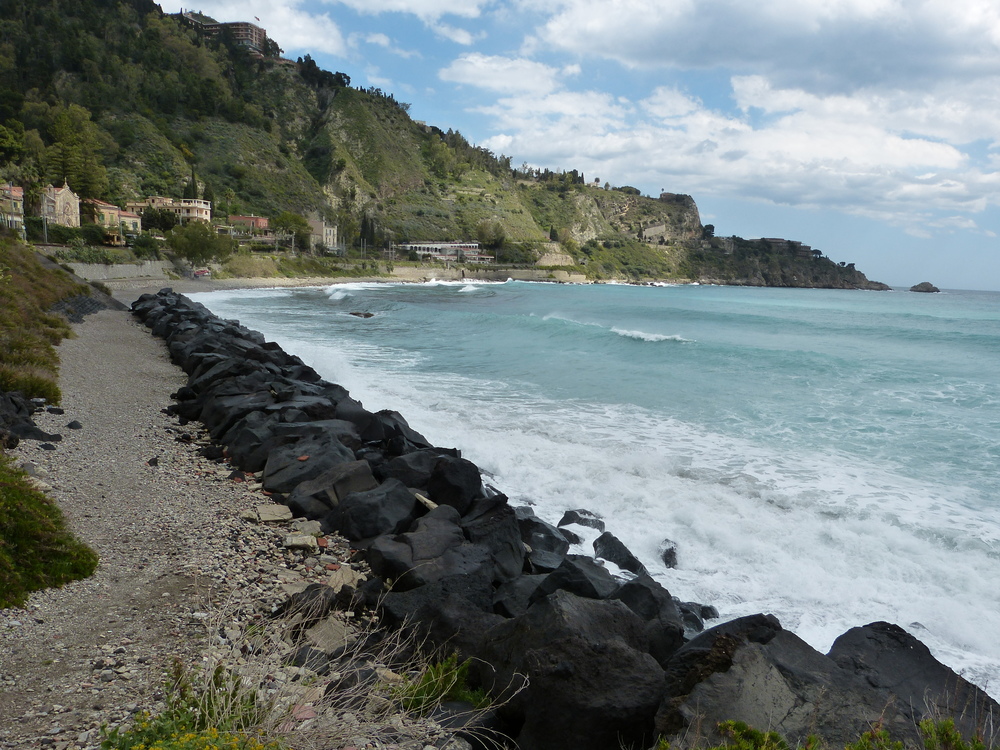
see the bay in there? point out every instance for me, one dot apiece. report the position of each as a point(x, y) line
point(827, 456)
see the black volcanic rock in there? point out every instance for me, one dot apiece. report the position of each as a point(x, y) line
point(924, 286)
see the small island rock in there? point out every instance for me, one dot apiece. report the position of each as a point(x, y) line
point(924, 286)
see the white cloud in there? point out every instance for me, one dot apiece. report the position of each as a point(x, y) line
point(503, 74)
point(455, 34)
point(831, 43)
point(380, 40)
point(855, 154)
point(424, 9)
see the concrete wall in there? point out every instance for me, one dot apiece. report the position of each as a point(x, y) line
point(149, 269)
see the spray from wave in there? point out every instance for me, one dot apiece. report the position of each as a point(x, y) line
point(643, 336)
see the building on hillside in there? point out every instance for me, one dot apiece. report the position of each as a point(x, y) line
point(244, 33)
point(119, 222)
point(12, 208)
point(251, 222)
point(61, 206)
point(456, 252)
point(186, 209)
point(793, 247)
point(322, 233)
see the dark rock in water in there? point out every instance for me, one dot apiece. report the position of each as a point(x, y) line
point(580, 575)
point(74, 425)
point(591, 685)
point(583, 518)
point(570, 536)
point(546, 544)
point(691, 615)
point(609, 547)
point(668, 553)
point(363, 314)
point(924, 286)
point(387, 509)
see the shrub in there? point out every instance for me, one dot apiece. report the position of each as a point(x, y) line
point(28, 359)
point(442, 681)
point(36, 550)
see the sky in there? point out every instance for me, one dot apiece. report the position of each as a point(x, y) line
point(869, 129)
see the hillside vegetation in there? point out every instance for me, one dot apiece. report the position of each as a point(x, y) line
point(123, 101)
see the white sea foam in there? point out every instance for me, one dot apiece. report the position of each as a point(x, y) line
point(336, 294)
point(643, 336)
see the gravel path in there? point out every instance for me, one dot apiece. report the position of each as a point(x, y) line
point(193, 559)
point(96, 651)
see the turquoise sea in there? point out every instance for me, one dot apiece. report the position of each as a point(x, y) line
point(826, 456)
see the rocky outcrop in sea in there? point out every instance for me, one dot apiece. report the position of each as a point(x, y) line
point(583, 652)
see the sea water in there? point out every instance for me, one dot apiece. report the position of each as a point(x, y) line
point(826, 456)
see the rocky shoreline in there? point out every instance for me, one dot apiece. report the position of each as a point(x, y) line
point(577, 657)
point(598, 661)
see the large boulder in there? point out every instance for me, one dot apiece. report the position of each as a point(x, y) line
point(455, 482)
point(591, 685)
point(289, 465)
point(580, 575)
point(546, 545)
point(315, 498)
point(433, 550)
point(609, 547)
point(891, 659)
point(388, 509)
point(653, 603)
point(752, 670)
point(492, 523)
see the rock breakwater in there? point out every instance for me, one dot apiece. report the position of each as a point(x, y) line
point(579, 657)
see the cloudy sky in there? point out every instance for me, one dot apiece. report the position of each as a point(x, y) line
point(869, 129)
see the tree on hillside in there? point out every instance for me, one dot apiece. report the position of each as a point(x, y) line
point(159, 218)
point(491, 234)
point(197, 243)
point(291, 223)
point(74, 156)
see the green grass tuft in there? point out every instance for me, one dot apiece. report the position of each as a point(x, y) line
point(36, 550)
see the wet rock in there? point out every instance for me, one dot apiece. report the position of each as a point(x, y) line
point(609, 547)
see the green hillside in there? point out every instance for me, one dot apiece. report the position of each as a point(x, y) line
point(123, 101)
